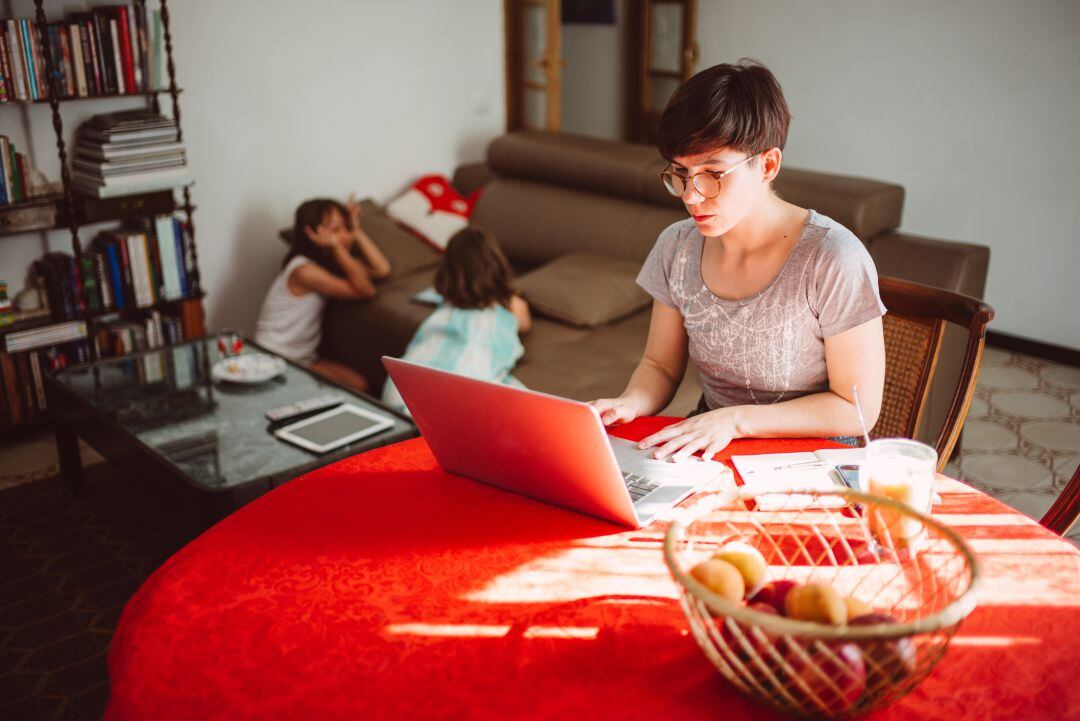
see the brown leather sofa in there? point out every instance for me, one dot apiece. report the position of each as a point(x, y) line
point(547, 195)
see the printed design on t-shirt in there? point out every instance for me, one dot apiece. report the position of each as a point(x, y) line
point(757, 348)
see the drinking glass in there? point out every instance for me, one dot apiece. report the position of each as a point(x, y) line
point(903, 470)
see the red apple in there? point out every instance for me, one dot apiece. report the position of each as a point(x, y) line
point(761, 648)
point(837, 682)
point(888, 660)
point(775, 594)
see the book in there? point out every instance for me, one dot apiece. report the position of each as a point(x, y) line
point(39, 385)
point(105, 53)
point(44, 336)
point(14, 55)
point(117, 57)
point(78, 59)
point(813, 470)
point(165, 238)
point(5, 65)
point(28, 57)
point(127, 56)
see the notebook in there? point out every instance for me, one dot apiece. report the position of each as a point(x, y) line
point(814, 470)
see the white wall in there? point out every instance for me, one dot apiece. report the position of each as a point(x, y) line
point(286, 100)
point(593, 84)
point(972, 105)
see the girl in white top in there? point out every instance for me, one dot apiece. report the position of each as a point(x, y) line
point(321, 265)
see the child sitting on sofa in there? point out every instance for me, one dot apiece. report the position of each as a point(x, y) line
point(319, 266)
point(475, 330)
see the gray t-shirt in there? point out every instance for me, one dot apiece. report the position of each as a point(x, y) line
point(769, 347)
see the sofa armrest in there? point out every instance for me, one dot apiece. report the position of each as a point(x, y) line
point(951, 265)
point(470, 176)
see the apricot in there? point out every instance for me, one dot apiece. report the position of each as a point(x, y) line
point(855, 607)
point(815, 602)
point(721, 578)
point(748, 560)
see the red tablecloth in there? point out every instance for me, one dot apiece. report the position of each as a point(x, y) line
point(383, 588)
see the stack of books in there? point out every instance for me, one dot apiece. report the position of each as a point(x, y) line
point(112, 50)
point(137, 266)
point(132, 151)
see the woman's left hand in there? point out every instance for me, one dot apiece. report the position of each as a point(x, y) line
point(709, 433)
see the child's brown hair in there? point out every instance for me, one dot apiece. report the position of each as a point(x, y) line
point(474, 272)
point(311, 214)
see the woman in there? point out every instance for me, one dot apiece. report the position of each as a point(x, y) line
point(777, 305)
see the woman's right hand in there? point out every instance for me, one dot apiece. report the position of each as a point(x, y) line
point(615, 411)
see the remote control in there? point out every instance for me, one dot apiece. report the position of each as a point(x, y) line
point(306, 406)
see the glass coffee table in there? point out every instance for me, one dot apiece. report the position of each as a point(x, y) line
point(160, 417)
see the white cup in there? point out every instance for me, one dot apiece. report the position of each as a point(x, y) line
point(902, 470)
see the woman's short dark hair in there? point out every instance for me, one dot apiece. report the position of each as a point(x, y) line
point(737, 106)
point(474, 272)
point(312, 214)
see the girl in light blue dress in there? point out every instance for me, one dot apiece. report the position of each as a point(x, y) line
point(475, 330)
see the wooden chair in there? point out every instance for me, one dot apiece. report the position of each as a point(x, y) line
point(914, 327)
point(1066, 509)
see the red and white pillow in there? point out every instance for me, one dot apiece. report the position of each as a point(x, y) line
point(433, 209)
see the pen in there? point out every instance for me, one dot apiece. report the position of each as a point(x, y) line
point(802, 464)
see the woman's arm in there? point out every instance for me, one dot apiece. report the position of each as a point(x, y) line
point(854, 357)
point(658, 374)
point(377, 265)
point(520, 309)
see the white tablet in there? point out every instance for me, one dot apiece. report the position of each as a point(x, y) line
point(334, 428)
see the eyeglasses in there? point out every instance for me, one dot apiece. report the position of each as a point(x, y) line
point(706, 183)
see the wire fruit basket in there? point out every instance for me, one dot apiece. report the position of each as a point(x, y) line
point(914, 586)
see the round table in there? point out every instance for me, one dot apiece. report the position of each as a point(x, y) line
point(381, 587)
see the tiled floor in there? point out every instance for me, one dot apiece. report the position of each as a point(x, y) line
point(1021, 441)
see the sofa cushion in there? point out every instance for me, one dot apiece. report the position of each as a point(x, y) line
point(584, 289)
point(537, 222)
point(575, 161)
point(407, 253)
point(865, 207)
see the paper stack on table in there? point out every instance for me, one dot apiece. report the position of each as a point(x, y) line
point(781, 472)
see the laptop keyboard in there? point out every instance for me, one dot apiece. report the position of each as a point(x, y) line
point(639, 486)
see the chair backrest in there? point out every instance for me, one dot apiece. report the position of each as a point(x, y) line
point(914, 327)
point(1066, 509)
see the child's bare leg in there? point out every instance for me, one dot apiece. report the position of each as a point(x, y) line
point(341, 373)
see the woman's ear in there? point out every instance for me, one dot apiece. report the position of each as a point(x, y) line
point(770, 163)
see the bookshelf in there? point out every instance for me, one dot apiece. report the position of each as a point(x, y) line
point(70, 210)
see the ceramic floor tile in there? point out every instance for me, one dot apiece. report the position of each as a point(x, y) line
point(1054, 435)
point(1066, 465)
point(1062, 375)
point(987, 436)
point(1030, 404)
point(979, 408)
point(996, 357)
point(1005, 472)
point(1007, 378)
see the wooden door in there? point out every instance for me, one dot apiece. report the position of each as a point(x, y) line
point(533, 64)
point(661, 34)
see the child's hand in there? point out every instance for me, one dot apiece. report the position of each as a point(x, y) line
point(321, 236)
point(353, 206)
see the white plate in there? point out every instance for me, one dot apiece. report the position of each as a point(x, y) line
point(248, 368)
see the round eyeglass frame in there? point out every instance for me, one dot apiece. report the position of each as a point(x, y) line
point(669, 178)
